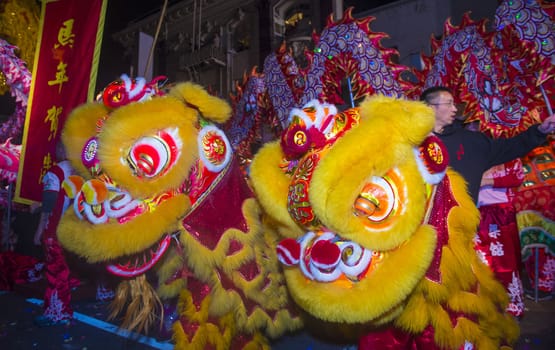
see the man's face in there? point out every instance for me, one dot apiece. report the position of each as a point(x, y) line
point(445, 110)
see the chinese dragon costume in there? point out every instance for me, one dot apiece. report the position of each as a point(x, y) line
point(346, 48)
point(504, 76)
point(161, 200)
point(15, 78)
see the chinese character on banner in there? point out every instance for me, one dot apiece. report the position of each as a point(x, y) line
point(53, 115)
point(64, 77)
point(65, 35)
point(61, 77)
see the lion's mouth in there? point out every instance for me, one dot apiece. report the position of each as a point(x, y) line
point(326, 257)
point(118, 204)
point(140, 263)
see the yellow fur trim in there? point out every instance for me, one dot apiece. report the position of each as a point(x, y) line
point(129, 123)
point(207, 335)
point(79, 127)
point(387, 286)
point(211, 335)
point(258, 342)
point(416, 316)
point(171, 264)
point(367, 151)
point(467, 286)
point(404, 120)
point(271, 185)
point(266, 288)
point(107, 241)
point(532, 218)
point(211, 107)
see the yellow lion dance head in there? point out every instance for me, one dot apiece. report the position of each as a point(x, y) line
point(377, 230)
point(160, 193)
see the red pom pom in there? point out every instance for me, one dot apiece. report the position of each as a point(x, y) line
point(295, 141)
point(289, 252)
point(434, 154)
point(325, 254)
point(317, 138)
point(114, 95)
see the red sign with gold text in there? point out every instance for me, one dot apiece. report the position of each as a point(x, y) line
point(64, 76)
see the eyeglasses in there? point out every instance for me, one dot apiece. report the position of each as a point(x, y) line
point(452, 103)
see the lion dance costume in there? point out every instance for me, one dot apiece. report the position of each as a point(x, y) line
point(161, 200)
point(377, 230)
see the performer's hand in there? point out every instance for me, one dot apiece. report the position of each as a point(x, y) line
point(548, 125)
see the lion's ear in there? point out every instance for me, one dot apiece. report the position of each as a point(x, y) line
point(211, 107)
point(412, 121)
point(80, 126)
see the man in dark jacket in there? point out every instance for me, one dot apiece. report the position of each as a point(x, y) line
point(470, 152)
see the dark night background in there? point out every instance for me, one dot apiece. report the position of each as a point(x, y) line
point(120, 13)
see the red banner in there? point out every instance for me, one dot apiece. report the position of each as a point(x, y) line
point(64, 76)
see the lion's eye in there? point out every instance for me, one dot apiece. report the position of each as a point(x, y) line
point(153, 155)
point(376, 200)
point(379, 200)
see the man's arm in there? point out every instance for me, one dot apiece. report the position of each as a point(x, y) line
point(504, 150)
point(504, 175)
point(37, 239)
point(49, 198)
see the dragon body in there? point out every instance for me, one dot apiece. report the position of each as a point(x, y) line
point(345, 49)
